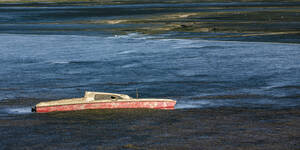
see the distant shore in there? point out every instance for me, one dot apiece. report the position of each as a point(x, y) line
point(248, 20)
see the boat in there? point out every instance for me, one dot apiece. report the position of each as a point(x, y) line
point(101, 100)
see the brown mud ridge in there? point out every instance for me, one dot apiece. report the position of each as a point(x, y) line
point(246, 20)
point(210, 128)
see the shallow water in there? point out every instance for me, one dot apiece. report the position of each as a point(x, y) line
point(221, 88)
point(227, 92)
point(87, 19)
point(196, 73)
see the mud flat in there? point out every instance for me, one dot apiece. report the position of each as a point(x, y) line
point(216, 128)
point(269, 21)
point(231, 95)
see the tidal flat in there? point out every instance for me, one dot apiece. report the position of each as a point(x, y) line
point(233, 68)
point(222, 128)
point(266, 21)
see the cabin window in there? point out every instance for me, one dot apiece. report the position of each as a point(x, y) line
point(106, 97)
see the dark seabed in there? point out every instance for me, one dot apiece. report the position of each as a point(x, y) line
point(230, 94)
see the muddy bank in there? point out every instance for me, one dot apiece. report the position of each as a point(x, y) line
point(236, 95)
point(215, 128)
point(238, 20)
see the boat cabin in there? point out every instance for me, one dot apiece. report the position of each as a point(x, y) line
point(91, 96)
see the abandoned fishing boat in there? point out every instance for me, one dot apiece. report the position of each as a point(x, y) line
point(100, 100)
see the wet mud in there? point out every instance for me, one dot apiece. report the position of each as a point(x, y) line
point(267, 21)
point(221, 128)
point(230, 95)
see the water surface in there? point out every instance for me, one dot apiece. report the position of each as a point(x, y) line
point(196, 73)
point(227, 92)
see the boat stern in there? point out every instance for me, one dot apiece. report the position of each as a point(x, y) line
point(33, 109)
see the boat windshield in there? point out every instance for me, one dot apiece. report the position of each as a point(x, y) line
point(106, 97)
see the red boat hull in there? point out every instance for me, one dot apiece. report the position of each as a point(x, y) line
point(108, 105)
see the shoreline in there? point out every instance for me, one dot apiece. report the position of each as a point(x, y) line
point(239, 21)
point(230, 128)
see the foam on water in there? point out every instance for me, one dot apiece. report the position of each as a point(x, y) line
point(126, 52)
point(16, 110)
point(132, 36)
point(192, 104)
point(60, 62)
